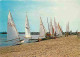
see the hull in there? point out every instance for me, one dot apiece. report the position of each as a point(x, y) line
point(19, 42)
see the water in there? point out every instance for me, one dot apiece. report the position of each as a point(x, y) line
point(3, 39)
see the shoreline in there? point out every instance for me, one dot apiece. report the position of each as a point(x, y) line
point(59, 47)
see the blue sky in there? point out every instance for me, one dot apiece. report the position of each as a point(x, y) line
point(63, 10)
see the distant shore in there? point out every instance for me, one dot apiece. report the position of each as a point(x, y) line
point(59, 47)
point(32, 33)
point(37, 33)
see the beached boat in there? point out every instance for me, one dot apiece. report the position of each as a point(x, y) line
point(60, 30)
point(78, 34)
point(27, 28)
point(67, 29)
point(51, 29)
point(12, 33)
point(42, 30)
point(50, 34)
point(56, 30)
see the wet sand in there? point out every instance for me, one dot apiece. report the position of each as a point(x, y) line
point(60, 47)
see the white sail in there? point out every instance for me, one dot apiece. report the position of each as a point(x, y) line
point(56, 28)
point(67, 27)
point(60, 33)
point(51, 27)
point(11, 29)
point(42, 29)
point(27, 29)
point(60, 30)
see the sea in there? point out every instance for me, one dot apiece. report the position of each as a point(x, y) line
point(4, 42)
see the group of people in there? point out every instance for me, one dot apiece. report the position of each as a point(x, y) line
point(66, 34)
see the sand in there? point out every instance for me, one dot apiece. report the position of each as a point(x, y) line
point(60, 47)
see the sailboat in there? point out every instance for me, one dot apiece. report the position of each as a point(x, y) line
point(60, 30)
point(67, 27)
point(42, 30)
point(56, 28)
point(27, 28)
point(51, 29)
point(12, 33)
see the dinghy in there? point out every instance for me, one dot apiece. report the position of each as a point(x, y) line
point(48, 33)
point(42, 30)
point(51, 29)
point(67, 29)
point(12, 33)
point(60, 30)
point(27, 28)
point(56, 30)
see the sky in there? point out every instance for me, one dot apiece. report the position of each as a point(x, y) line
point(64, 11)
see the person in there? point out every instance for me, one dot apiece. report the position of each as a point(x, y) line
point(78, 34)
point(39, 39)
point(65, 34)
point(55, 34)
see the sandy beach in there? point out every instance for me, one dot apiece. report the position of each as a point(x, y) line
point(60, 47)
